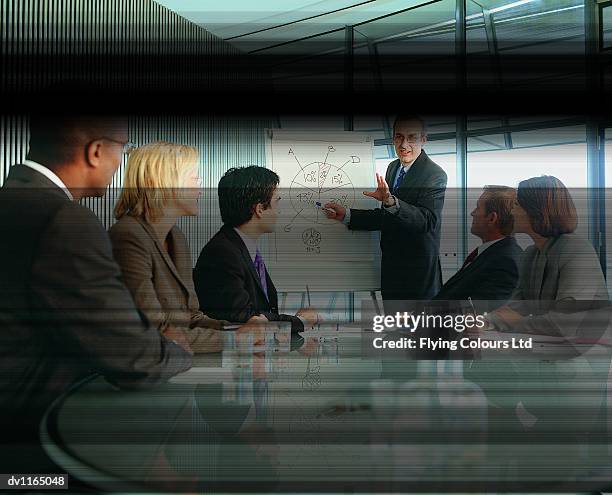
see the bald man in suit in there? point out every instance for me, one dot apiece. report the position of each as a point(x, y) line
point(64, 310)
point(409, 218)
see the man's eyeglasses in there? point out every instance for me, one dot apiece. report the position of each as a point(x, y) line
point(127, 145)
point(411, 138)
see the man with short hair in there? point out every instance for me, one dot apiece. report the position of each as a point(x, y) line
point(64, 311)
point(230, 276)
point(491, 271)
point(412, 196)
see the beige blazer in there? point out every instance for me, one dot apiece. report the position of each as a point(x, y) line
point(161, 283)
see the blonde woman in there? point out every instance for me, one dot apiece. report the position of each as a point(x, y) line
point(162, 184)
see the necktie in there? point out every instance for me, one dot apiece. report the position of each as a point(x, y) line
point(399, 179)
point(471, 257)
point(260, 267)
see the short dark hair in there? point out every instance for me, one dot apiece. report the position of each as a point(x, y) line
point(55, 129)
point(500, 199)
point(404, 118)
point(51, 137)
point(241, 189)
point(548, 205)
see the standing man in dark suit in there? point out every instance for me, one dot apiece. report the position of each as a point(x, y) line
point(64, 311)
point(230, 276)
point(491, 271)
point(412, 197)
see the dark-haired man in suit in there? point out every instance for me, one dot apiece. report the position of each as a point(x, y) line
point(491, 271)
point(409, 219)
point(230, 276)
point(64, 311)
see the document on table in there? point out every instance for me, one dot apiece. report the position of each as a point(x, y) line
point(501, 336)
point(549, 344)
point(331, 332)
point(203, 375)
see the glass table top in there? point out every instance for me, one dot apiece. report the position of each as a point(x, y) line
point(319, 414)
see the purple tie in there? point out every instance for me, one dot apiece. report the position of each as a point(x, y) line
point(261, 271)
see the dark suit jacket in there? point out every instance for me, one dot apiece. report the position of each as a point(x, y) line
point(64, 311)
point(410, 237)
point(161, 283)
point(228, 286)
point(489, 280)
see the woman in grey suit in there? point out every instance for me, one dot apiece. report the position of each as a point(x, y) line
point(162, 184)
point(561, 290)
point(561, 293)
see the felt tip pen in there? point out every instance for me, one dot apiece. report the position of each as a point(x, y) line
point(322, 208)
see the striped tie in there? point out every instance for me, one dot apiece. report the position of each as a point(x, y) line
point(399, 179)
point(471, 257)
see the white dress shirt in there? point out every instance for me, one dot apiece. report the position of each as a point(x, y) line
point(251, 244)
point(486, 245)
point(49, 174)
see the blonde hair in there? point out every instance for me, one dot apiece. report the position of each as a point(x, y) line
point(153, 174)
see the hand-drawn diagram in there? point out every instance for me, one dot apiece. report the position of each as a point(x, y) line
point(312, 379)
point(318, 183)
point(316, 168)
point(312, 240)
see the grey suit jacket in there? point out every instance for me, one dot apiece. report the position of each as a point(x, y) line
point(410, 233)
point(64, 311)
point(561, 291)
point(161, 283)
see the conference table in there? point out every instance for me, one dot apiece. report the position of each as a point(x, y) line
point(319, 413)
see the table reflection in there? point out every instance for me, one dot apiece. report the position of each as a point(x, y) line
point(290, 413)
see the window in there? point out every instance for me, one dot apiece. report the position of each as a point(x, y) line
point(560, 152)
point(608, 199)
